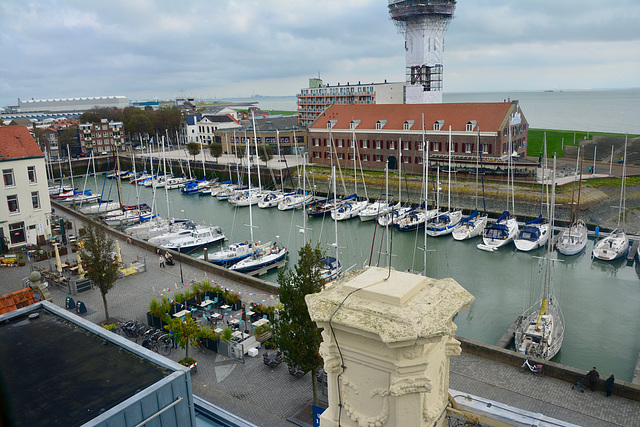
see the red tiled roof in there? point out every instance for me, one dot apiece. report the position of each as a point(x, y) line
point(15, 300)
point(489, 116)
point(16, 142)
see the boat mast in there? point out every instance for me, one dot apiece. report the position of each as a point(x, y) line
point(425, 171)
point(166, 190)
point(449, 179)
point(249, 177)
point(579, 191)
point(255, 142)
point(621, 211)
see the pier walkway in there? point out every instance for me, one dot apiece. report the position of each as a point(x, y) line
point(271, 397)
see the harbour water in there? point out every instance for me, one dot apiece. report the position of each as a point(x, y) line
point(600, 301)
point(612, 110)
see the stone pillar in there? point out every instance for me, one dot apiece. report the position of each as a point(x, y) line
point(387, 340)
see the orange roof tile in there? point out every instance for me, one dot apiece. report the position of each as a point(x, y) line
point(15, 300)
point(16, 142)
point(488, 116)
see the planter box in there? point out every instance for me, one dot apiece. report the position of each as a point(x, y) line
point(265, 337)
point(236, 306)
point(211, 345)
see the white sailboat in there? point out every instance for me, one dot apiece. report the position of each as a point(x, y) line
point(474, 224)
point(616, 244)
point(444, 223)
point(265, 257)
point(505, 229)
point(540, 331)
point(574, 239)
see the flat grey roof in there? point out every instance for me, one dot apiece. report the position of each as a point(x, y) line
point(55, 372)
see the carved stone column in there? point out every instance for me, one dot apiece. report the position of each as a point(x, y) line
point(387, 340)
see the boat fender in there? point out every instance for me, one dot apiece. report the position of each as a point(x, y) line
point(246, 242)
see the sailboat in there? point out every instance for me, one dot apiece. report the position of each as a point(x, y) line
point(505, 229)
point(616, 244)
point(574, 239)
point(444, 223)
point(266, 256)
point(535, 233)
point(473, 225)
point(541, 329)
point(351, 208)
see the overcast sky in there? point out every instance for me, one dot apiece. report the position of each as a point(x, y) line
point(147, 49)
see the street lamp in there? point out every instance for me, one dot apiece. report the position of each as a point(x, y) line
point(180, 259)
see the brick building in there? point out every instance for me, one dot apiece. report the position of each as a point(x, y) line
point(395, 133)
point(101, 137)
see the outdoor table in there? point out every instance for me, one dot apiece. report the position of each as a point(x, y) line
point(205, 303)
point(234, 321)
point(224, 307)
point(250, 313)
point(260, 322)
point(216, 315)
point(181, 313)
point(237, 334)
point(73, 269)
point(218, 330)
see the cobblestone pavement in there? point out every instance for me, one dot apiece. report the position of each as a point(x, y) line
point(268, 397)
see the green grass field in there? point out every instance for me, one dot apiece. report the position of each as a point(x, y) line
point(555, 140)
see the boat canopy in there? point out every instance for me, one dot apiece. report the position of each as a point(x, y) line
point(504, 216)
point(535, 221)
point(530, 233)
point(470, 217)
point(497, 231)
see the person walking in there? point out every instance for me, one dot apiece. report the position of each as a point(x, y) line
point(593, 375)
point(608, 385)
point(161, 261)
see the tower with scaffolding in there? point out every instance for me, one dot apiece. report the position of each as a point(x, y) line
point(423, 23)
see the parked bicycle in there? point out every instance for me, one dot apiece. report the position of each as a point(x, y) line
point(200, 346)
point(157, 341)
point(536, 368)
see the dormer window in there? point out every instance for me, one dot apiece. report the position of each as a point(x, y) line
point(471, 125)
point(437, 125)
point(408, 124)
point(331, 124)
point(354, 124)
point(380, 124)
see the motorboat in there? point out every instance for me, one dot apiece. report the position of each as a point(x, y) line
point(199, 238)
point(233, 253)
point(263, 258)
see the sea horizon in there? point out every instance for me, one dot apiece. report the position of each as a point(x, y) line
point(596, 110)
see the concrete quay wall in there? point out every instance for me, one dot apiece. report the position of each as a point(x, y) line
point(551, 369)
point(244, 279)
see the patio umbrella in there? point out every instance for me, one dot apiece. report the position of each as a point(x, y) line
point(80, 269)
point(58, 261)
point(118, 254)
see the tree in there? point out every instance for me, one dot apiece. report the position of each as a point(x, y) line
point(184, 331)
point(194, 149)
point(216, 150)
point(295, 333)
point(98, 261)
point(265, 153)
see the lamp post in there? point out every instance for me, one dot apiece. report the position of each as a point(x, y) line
point(180, 259)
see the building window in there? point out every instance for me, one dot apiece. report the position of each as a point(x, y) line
point(419, 160)
point(341, 156)
point(316, 142)
point(471, 125)
point(377, 157)
point(436, 146)
point(35, 200)
point(17, 233)
point(8, 177)
point(406, 145)
point(31, 171)
point(105, 127)
point(420, 146)
point(468, 147)
point(12, 201)
point(351, 142)
point(485, 148)
point(340, 142)
point(392, 145)
point(365, 157)
point(351, 156)
point(406, 159)
point(407, 125)
point(365, 143)
point(438, 125)
point(316, 154)
point(378, 144)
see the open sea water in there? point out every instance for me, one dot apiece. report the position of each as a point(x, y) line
point(612, 110)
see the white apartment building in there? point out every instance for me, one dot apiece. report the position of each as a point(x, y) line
point(25, 209)
point(312, 101)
